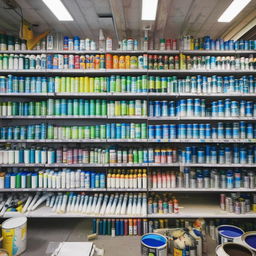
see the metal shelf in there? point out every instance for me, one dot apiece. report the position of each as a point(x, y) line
point(130, 141)
point(77, 117)
point(127, 71)
point(164, 52)
point(73, 190)
point(118, 51)
point(201, 190)
point(46, 212)
point(130, 95)
point(200, 71)
point(161, 118)
point(214, 52)
point(188, 210)
point(196, 190)
point(53, 117)
point(181, 165)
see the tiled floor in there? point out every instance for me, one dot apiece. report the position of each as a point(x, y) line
point(41, 232)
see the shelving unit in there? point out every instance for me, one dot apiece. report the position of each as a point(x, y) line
point(187, 210)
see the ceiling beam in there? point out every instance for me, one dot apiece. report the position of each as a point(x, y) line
point(235, 30)
point(119, 18)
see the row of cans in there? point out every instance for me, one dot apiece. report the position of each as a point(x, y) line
point(235, 130)
point(78, 44)
point(79, 107)
point(163, 204)
point(149, 225)
point(127, 179)
point(217, 155)
point(120, 227)
point(202, 179)
point(112, 155)
point(200, 108)
point(110, 61)
point(217, 62)
point(101, 131)
point(207, 43)
point(11, 43)
point(138, 84)
point(238, 203)
point(53, 179)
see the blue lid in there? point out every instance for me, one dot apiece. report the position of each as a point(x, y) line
point(251, 240)
point(230, 231)
point(154, 240)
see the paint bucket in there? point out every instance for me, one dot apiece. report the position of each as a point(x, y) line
point(227, 233)
point(14, 232)
point(233, 249)
point(248, 239)
point(153, 245)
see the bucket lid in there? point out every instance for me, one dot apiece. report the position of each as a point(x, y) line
point(153, 240)
point(230, 231)
point(250, 240)
point(14, 222)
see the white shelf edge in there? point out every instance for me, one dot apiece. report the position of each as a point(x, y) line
point(201, 190)
point(126, 71)
point(109, 94)
point(71, 190)
point(117, 51)
point(131, 165)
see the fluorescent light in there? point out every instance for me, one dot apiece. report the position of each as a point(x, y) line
point(233, 10)
point(149, 8)
point(58, 9)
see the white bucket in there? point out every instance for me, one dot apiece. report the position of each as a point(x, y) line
point(248, 239)
point(14, 232)
point(233, 249)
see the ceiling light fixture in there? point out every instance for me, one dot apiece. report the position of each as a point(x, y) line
point(233, 10)
point(149, 8)
point(59, 10)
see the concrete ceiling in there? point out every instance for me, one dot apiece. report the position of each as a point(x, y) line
point(121, 18)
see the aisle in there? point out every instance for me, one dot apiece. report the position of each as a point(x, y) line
point(43, 231)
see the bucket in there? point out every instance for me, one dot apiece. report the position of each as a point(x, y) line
point(227, 233)
point(248, 239)
point(14, 232)
point(153, 245)
point(233, 249)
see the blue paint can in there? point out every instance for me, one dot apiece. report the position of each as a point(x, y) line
point(153, 244)
point(227, 233)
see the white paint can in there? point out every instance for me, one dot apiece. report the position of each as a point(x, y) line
point(233, 249)
point(14, 232)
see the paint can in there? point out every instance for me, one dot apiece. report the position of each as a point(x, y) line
point(153, 245)
point(233, 249)
point(14, 231)
point(248, 239)
point(227, 233)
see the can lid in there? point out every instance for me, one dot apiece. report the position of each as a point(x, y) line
point(14, 222)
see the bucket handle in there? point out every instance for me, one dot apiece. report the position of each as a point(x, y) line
point(1, 238)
